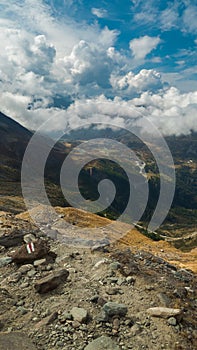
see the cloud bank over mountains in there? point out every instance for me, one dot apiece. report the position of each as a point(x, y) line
point(55, 66)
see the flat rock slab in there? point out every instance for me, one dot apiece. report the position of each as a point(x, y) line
point(52, 281)
point(15, 341)
point(102, 343)
point(163, 312)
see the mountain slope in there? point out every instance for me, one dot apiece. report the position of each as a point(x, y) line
point(14, 139)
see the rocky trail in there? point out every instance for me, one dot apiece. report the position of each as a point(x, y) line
point(54, 296)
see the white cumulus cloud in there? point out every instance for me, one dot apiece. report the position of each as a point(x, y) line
point(47, 63)
point(142, 46)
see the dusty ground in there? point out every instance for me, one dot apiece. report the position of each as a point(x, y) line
point(142, 280)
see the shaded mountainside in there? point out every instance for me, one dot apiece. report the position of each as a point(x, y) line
point(14, 139)
point(13, 142)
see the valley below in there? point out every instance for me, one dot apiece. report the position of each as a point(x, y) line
point(74, 280)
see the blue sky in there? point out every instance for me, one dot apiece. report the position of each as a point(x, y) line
point(174, 22)
point(92, 56)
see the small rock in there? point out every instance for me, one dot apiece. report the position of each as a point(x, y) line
point(5, 261)
point(114, 291)
point(79, 314)
point(31, 273)
point(25, 268)
point(101, 247)
point(51, 281)
point(115, 309)
point(115, 265)
point(101, 262)
point(102, 317)
point(24, 285)
point(39, 262)
point(29, 238)
point(14, 277)
point(65, 316)
point(22, 310)
point(172, 321)
point(129, 322)
point(116, 323)
point(121, 280)
point(135, 329)
point(112, 280)
point(130, 280)
point(163, 312)
point(76, 324)
point(102, 343)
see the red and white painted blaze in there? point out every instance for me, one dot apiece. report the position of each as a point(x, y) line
point(30, 248)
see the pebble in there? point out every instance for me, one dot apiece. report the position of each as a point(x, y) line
point(172, 321)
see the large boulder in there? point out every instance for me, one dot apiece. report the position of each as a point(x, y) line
point(28, 253)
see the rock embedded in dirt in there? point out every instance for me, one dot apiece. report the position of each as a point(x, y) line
point(163, 312)
point(79, 314)
point(47, 320)
point(102, 343)
point(51, 281)
point(115, 309)
point(23, 255)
